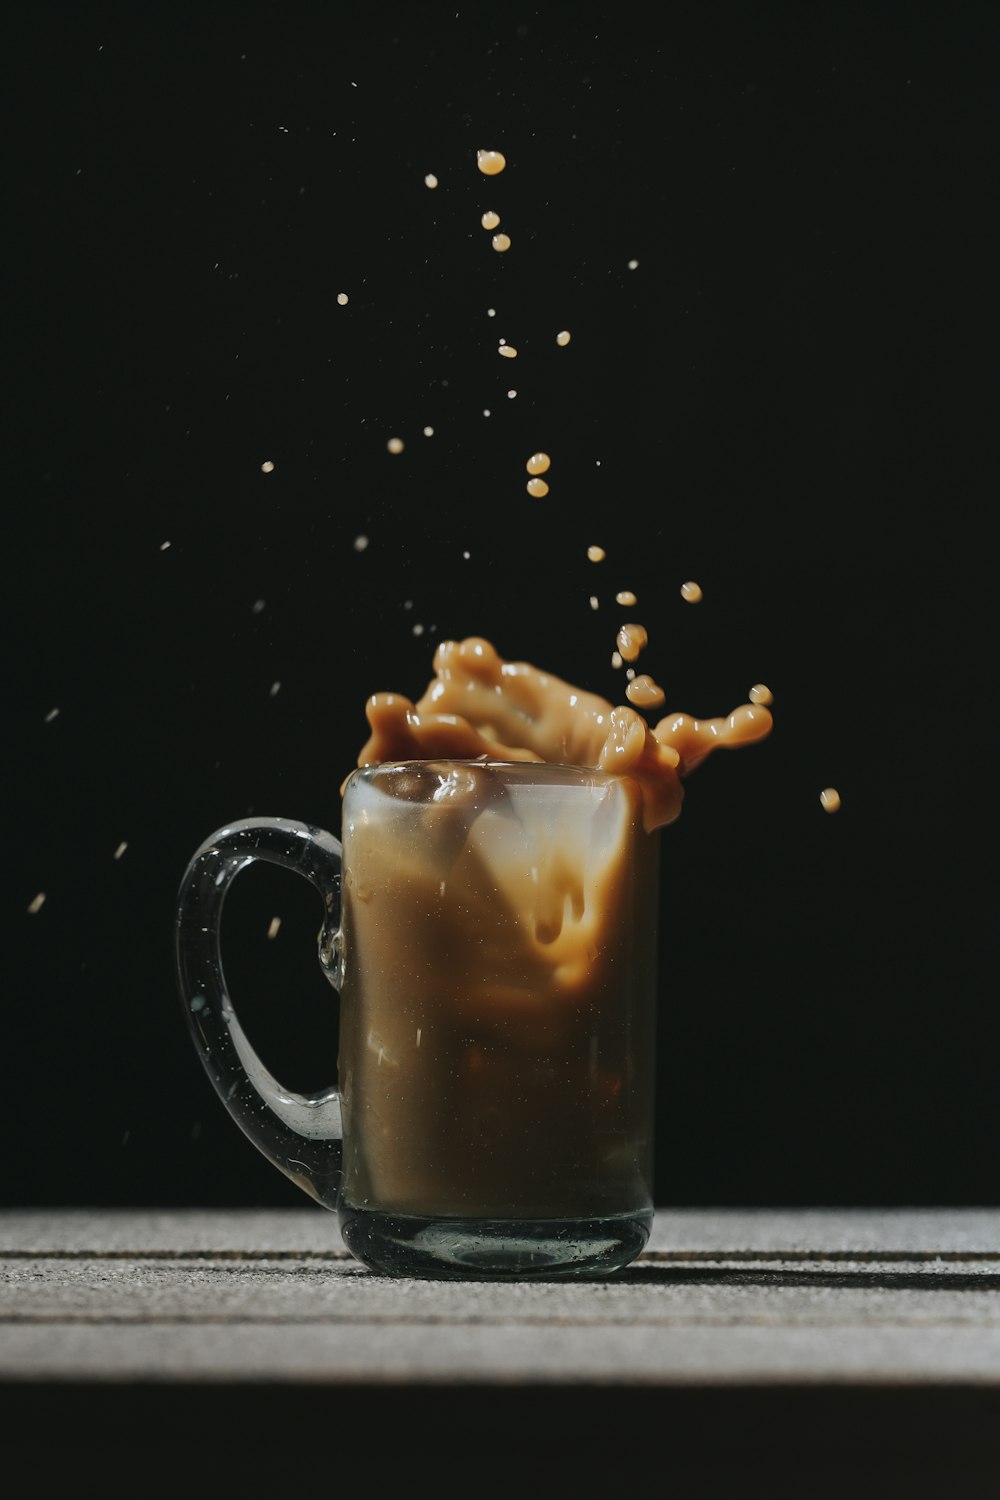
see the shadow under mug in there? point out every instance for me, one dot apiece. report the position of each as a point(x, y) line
point(491, 929)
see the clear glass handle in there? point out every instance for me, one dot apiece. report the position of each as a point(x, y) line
point(300, 1133)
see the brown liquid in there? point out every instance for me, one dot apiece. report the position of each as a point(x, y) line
point(500, 941)
point(499, 997)
point(479, 705)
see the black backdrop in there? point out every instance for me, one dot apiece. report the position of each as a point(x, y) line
point(789, 399)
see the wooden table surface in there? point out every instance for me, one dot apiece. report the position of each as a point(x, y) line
point(812, 1345)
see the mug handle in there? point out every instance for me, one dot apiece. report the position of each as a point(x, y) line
point(301, 1134)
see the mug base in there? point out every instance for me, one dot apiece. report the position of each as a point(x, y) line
point(493, 1249)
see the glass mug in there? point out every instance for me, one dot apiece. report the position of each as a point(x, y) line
point(492, 931)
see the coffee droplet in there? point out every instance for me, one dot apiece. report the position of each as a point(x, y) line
point(644, 692)
point(691, 592)
point(626, 597)
point(501, 242)
point(508, 351)
point(490, 162)
point(562, 339)
point(538, 463)
point(490, 220)
point(596, 554)
point(760, 693)
point(395, 445)
point(830, 799)
point(537, 487)
point(631, 639)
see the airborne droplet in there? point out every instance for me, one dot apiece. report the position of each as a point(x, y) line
point(631, 640)
point(490, 162)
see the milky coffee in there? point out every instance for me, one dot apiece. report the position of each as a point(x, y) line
point(500, 918)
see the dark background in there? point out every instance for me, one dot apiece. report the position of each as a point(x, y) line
point(790, 399)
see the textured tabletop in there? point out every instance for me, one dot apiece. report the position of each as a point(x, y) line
point(862, 1306)
point(856, 1297)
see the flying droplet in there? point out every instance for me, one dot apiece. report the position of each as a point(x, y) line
point(490, 162)
point(631, 640)
point(644, 692)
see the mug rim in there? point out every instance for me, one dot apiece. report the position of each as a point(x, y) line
point(544, 772)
